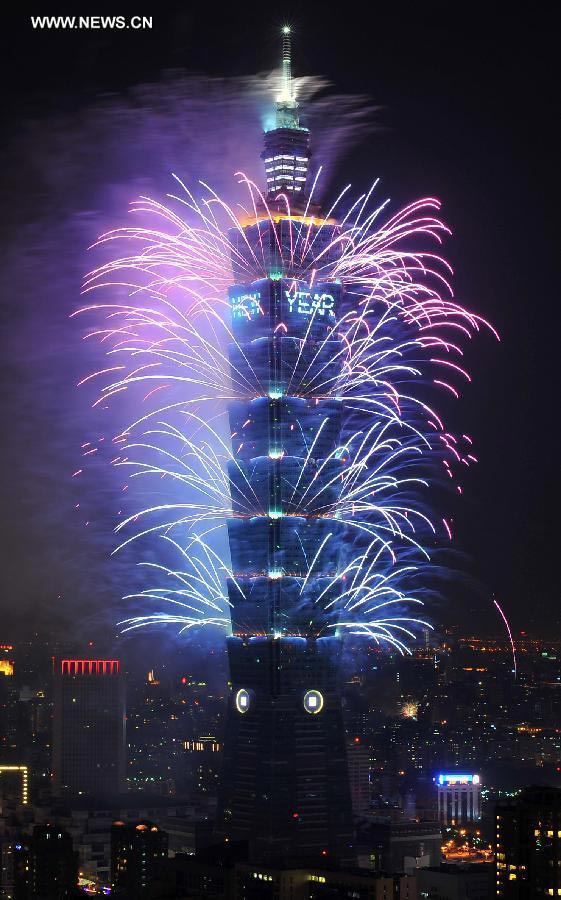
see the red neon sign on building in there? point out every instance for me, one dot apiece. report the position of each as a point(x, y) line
point(90, 666)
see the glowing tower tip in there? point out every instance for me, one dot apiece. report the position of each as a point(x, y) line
point(286, 106)
point(287, 145)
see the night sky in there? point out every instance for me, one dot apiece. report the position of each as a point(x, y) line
point(467, 105)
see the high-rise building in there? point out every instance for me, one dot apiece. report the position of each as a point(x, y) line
point(528, 845)
point(285, 785)
point(89, 728)
point(358, 758)
point(204, 757)
point(45, 865)
point(138, 854)
point(459, 797)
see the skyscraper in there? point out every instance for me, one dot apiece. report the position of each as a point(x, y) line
point(45, 865)
point(285, 786)
point(459, 798)
point(89, 728)
point(358, 758)
point(528, 845)
point(138, 853)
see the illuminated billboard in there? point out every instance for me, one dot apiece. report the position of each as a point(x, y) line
point(457, 778)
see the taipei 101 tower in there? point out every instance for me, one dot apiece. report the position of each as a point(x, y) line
point(285, 783)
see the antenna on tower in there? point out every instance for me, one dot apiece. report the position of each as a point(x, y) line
point(287, 116)
point(286, 93)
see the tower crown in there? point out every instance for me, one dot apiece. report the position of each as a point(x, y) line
point(287, 146)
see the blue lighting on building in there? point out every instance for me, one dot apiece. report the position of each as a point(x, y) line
point(451, 778)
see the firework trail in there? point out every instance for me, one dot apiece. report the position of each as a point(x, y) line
point(510, 637)
point(172, 350)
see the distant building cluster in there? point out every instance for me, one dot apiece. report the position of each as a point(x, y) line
point(439, 747)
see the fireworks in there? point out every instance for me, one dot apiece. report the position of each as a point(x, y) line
point(393, 346)
point(510, 637)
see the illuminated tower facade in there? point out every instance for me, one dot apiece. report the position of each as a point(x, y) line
point(285, 783)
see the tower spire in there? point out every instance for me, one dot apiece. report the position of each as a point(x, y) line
point(286, 63)
point(286, 105)
point(287, 146)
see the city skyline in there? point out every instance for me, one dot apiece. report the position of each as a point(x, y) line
point(451, 713)
point(277, 610)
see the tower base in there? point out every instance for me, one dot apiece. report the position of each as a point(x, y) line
point(285, 783)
